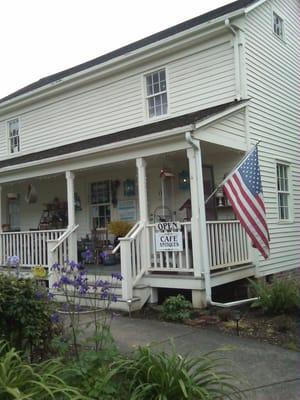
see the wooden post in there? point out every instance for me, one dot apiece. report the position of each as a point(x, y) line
point(127, 289)
point(195, 220)
point(52, 259)
point(143, 207)
point(72, 241)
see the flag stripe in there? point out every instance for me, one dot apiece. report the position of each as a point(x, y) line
point(251, 207)
point(244, 191)
point(252, 199)
point(251, 219)
point(244, 221)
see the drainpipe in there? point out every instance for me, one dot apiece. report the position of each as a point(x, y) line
point(207, 282)
point(236, 58)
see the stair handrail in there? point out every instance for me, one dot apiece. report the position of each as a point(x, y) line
point(64, 237)
point(127, 236)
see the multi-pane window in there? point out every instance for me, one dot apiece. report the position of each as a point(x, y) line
point(14, 136)
point(156, 89)
point(100, 204)
point(277, 25)
point(283, 191)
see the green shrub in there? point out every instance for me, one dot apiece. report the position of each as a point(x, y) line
point(25, 315)
point(158, 376)
point(281, 296)
point(177, 308)
point(20, 380)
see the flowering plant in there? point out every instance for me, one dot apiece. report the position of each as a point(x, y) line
point(72, 281)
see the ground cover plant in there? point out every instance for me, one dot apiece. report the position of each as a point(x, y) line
point(279, 297)
point(176, 308)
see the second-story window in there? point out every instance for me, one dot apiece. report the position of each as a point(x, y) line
point(14, 136)
point(156, 88)
point(283, 192)
point(278, 25)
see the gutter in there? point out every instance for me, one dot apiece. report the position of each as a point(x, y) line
point(204, 250)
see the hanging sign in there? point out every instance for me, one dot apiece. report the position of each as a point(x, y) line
point(168, 236)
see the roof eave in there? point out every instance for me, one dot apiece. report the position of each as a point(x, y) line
point(90, 73)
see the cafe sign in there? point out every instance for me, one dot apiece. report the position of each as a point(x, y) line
point(168, 236)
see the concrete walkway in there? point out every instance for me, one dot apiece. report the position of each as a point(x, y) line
point(271, 373)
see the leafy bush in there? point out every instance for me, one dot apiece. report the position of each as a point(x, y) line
point(25, 315)
point(20, 380)
point(119, 228)
point(281, 296)
point(177, 308)
point(159, 376)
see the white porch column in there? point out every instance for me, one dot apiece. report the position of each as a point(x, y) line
point(70, 198)
point(195, 219)
point(143, 207)
point(199, 219)
point(72, 241)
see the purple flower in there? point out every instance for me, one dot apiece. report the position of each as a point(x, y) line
point(54, 318)
point(114, 298)
point(13, 261)
point(55, 267)
point(87, 255)
point(117, 275)
point(65, 280)
point(50, 296)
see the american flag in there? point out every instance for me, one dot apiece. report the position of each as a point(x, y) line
point(243, 189)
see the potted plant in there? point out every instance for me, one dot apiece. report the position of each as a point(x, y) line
point(118, 229)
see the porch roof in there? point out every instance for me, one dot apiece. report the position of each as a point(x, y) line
point(138, 131)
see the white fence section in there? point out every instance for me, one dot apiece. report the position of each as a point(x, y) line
point(29, 246)
point(172, 261)
point(227, 244)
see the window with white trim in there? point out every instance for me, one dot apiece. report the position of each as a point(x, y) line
point(278, 27)
point(156, 93)
point(283, 191)
point(14, 136)
point(100, 204)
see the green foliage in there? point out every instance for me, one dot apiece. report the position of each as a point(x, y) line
point(25, 315)
point(158, 376)
point(282, 296)
point(177, 308)
point(20, 380)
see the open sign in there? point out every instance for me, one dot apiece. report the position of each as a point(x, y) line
point(168, 236)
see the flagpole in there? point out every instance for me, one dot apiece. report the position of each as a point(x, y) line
point(233, 170)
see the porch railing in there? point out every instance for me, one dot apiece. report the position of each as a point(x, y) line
point(227, 244)
point(29, 246)
point(172, 261)
point(132, 259)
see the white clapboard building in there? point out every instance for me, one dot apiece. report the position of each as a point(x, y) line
point(144, 134)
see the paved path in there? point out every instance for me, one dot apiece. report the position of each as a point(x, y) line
point(272, 373)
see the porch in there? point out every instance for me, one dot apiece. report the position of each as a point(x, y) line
point(142, 192)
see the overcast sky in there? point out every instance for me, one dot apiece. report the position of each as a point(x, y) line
point(41, 37)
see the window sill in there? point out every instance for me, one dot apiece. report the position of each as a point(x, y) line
point(286, 222)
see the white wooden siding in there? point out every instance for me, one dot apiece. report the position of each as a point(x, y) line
point(273, 84)
point(199, 77)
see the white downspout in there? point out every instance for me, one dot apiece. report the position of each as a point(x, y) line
point(237, 67)
point(207, 282)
